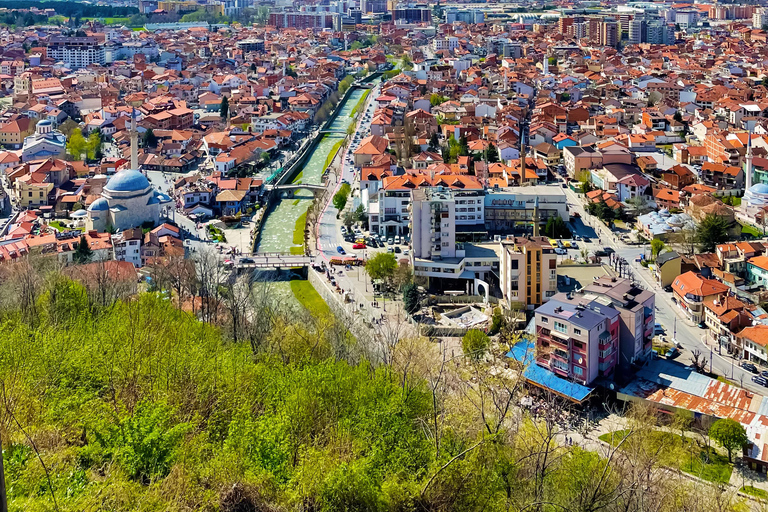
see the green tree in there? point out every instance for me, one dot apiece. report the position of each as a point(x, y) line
point(83, 252)
point(411, 298)
point(339, 202)
point(348, 219)
point(492, 154)
point(656, 247)
point(149, 139)
point(224, 109)
point(93, 145)
point(729, 434)
point(475, 343)
point(77, 146)
point(678, 117)
point(711, 231)
point(434, 143)
point(556, 228)
point(381, 266)
point(266, 158)
point(463, 146)
point(436, 99)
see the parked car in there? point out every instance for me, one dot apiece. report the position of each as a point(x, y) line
point(397, 249)
point(359, 246)
point(672, 353)
point(397, 239)
point(759, 379)
point(343, 230)
point(658, 329)
point(574, 245)
point(560, 250)
point(748, 366)
point(390, 249)
point(246, 260)
point(586, 239)
point(391, 241)
point(341, 250)
point(764, 373)
point(609, 250)
point(600, 253)
point(667, 288)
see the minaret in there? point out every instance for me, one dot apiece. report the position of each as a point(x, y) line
point(748, 170)
point(134, 142)
point(536, 216)
point(546, 64)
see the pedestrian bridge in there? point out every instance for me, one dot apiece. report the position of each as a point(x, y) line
point(274, 260)
point(338, 132)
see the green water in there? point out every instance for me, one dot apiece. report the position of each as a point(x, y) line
point(277, 232)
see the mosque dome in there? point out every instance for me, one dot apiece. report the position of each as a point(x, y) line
point(760, 188)
point(81, 213)
point(99, 205)
point(127, 181)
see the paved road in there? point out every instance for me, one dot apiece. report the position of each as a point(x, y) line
point(668, 314)
point(329, 227)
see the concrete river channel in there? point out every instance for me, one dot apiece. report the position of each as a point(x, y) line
point(277, 231)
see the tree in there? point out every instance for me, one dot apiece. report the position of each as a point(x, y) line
point(556, 228)
point(339, 202)
point(68, 127)
point(434, 143)
point(349, 219)
point(475, 343)
point(83, 252)
point(224, 109)
point(77, 146)
point(266, 158)
point(678, 117)
point(411, 298)
point(711, 231)
point(93, 145)
point(437, 99)
point(382, 266)
point(149, 140)
point(656, 247)
point(729, 434)
point(493, 154)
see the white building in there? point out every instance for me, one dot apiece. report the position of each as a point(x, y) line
point(44, 143)
point(127, 201)
point(77, 52)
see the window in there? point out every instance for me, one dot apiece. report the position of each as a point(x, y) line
point(577, 370)
point(513, 264)
point(561, 327)
point(544, 320)
point(578, 344)
point(576, 331)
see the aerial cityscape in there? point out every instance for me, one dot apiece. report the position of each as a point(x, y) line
point(378, 255)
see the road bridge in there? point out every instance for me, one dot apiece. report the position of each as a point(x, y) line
point(291, 188)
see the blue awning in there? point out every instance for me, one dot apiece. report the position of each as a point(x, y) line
point(525, 352)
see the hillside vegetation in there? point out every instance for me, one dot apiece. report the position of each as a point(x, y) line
point(137, 406)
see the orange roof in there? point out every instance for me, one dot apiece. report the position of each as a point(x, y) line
point(692, 283)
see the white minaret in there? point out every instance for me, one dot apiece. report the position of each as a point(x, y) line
point(134, 142)
point(748, 170)
point(546, 64)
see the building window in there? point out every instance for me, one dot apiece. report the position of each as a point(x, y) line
point(544, 320)
point(560, 327)
point(577, 370)
point(513, 264)
point(576, 331)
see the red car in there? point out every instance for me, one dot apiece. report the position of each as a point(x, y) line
point(358, 246)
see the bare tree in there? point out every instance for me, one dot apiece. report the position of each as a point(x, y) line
point(209, 276)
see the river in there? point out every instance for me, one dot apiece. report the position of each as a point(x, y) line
point(277, 232)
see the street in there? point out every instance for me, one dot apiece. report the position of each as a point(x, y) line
point(668, 314)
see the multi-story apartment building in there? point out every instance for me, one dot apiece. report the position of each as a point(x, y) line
point(436, 255)
point(77, 52)
point(527, 270)
point(691, 291)
point(577, 338)
point(637, 315)
point(390, 214)
point(412, 15)
point(609, 33)
point(302, 20)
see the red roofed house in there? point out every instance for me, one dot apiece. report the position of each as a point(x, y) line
point(692, 291)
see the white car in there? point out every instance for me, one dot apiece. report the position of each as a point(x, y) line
point(397, 239)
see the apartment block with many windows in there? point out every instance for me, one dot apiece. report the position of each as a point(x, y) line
point(577, 338)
